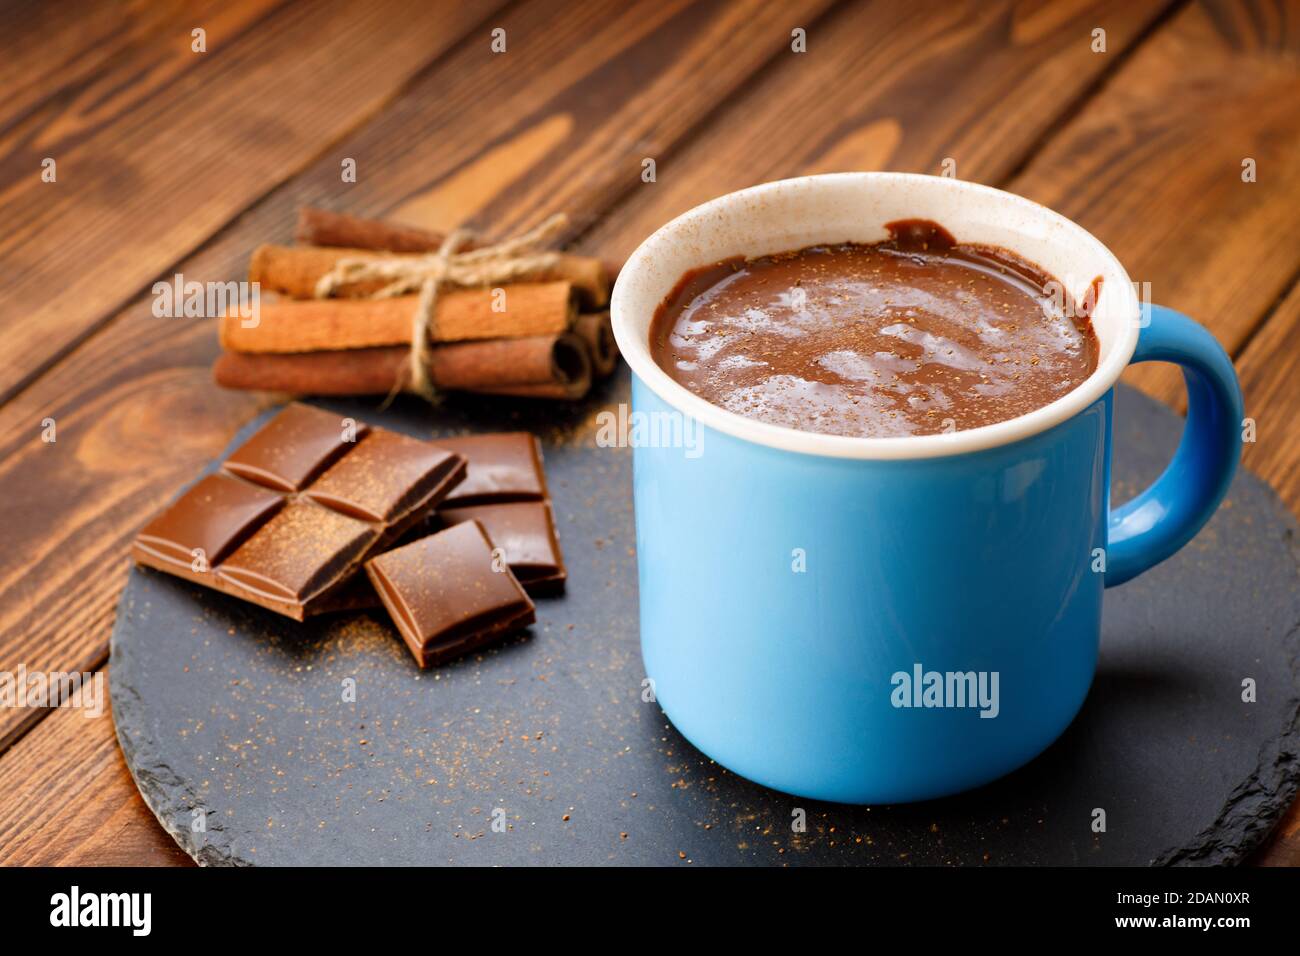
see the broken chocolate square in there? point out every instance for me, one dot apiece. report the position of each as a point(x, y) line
point(297, 554)
point(207, 523)
point(503, 466)
point(294, 447)
point(525, 532)
point(449, 594)
point(385, 477)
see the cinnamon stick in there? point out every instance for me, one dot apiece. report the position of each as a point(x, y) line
point(545, 366)
point(320, 227)
point(596, 330)
point(473, 363)
point(295, 270)
point(315, 325)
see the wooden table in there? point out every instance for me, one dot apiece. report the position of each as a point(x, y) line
point(168, 160)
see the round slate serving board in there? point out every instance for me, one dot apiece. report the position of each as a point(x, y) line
point(235, 725)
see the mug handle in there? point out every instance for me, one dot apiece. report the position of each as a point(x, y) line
point(1143, 532)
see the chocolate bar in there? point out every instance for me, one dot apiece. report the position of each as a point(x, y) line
point(447, 593)
point(297, 509)
point(503, 466)
point(525, 532)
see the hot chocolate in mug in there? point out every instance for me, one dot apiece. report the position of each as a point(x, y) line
point(879, 620)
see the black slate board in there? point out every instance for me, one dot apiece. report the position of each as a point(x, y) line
point(236, 717)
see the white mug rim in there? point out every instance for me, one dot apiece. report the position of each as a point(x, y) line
point(636, 353)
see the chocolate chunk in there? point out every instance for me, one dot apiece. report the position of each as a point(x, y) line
point(503, 466)
point(298, 553)
point(525, 531)
point(447, 595)
point(293, 448)
point(297, 510)
point(207, 522)
point(386, 477)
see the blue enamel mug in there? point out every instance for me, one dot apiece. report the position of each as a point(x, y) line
point(880, 620)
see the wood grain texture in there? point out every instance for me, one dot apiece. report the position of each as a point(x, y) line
point(69, 801)
point(137, 414)
point(894, 85)
point(1269, 370)
point(34, 70)
point(578, 102)
point(1152, 166)
point(163, 146)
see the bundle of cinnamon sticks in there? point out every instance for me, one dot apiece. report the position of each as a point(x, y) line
point(546, 337)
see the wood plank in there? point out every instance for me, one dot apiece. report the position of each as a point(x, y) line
point(927, 84)
point(1153, 168)
point(142, 387)
point(70, 801)
point(33, 69)
point(1269, 369)
point(135, 410)
point(163, 146)
point(577, 103)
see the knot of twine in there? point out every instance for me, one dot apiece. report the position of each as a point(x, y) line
point(507, 261)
